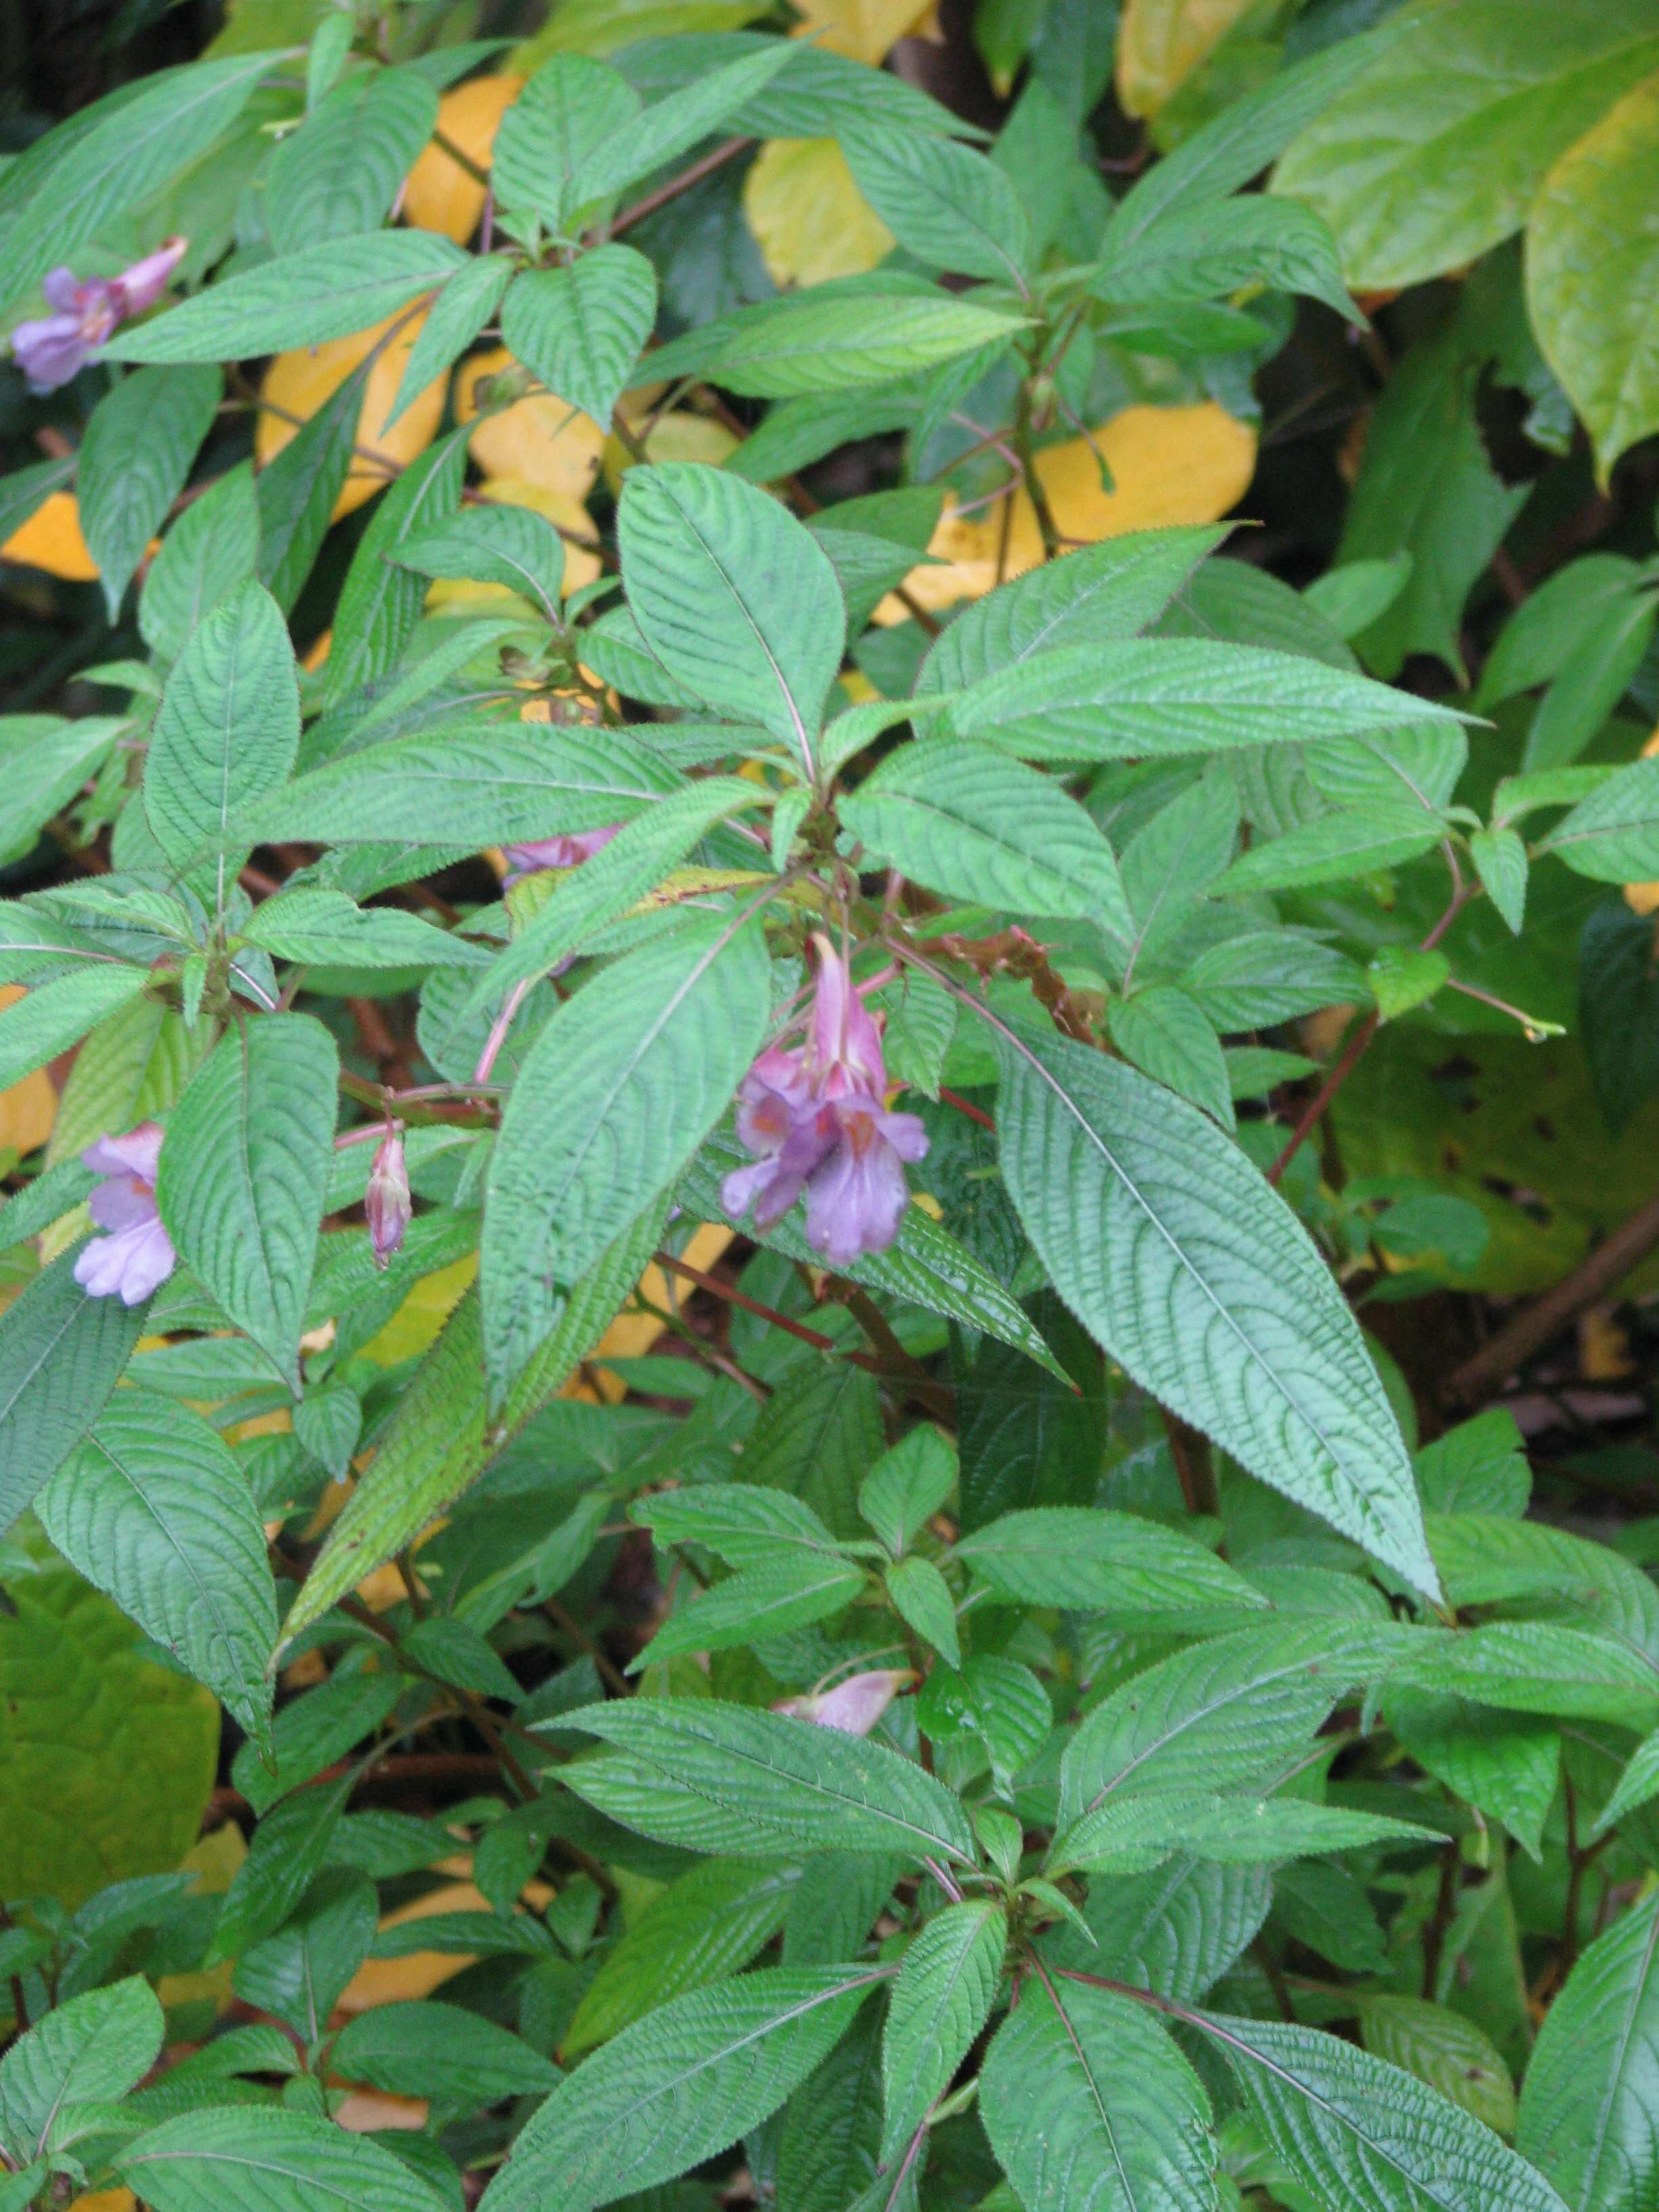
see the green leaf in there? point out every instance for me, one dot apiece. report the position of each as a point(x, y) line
point(921, 1597)
point(907, 1484)
point(326, 291)
point(735, 598)
point(632, 148)
point(118, 161)
point(945, 203)
point(50, 1018)
point(946, 1986)
point(1353, 596)
point(1165, 1034)
point(45, 759)
point(969, 821)
point(152, 1508)
point(1215, 1298)
point(439, 2051)
point(678, 2087)
point(1174, 1929)
point(1535, 1667)
point(1231, 1713)
point(1436, 152)
point(1443, 2049)
point(582, 327)
point(1613, 835)
point(1333, 846)
point(837, 1792)
point(1135, 697)
point(1500, 861)
point(808, 344)
point(457, 313)
point(702, 1928)
point(437, 1442)
point(1586, 2105)
point(227, 732)
point(615, 1094)
point(1506, 1764)
point(1126, 1832)
point(1355, 2131)
point(380, 602)
point(26, 491)
point(1206, 252)
point(494, 544)
point(243, 1174)
point(212, 548)
point(746, 1525)
point(286, 1852)
point(134, 459)
point(92, 2050)
point(296, 492)
point(1088, 2104)
point(552, 133)
point(311, 1732)
point(1116, 1563)
point(326, 928)
point(299, 1973)
point(259, 2159)
point(337, 175)
point(1402, 976)
point(768, 1599)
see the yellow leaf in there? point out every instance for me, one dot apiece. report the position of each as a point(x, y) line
point(1168, 465)
point(567, 515)
point(440, 194)
point(1644, 898)
point(389, 1981)
point(364, 2110)
point(809, 219)
point(1161, 42)
point(679, 436)
point(543, 440)
point(105, 2200)
point(415, 1324)
point(302, 381)
point(865, 29)
point(50, 539)
point(27, 1109)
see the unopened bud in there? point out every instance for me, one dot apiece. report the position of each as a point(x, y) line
point(386, 1202)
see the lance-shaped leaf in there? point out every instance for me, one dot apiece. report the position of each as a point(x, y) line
point(545, 151)
point(152, 1507)
point(1116, 1562)
point(134, 459)
point(1613, 835)
point(736, 598)
point(1355, 2130)
point(1090, 2108)
point(1128, 1833)
point(614, 1096)
point(380, 602)
point(61, 1354)
point(227, 732)
point(678, 2087)
point(325, 927)
point(1587, 2106)
point(261, 2159)
point(838, 1792)
point(244, 1171)
point(582, 327)
point(1537, 1667)
point(768, 1599)
point(43, 1022)
point(92, 2050)
point(942, 1999)
point(1194, 1273)
point(668, 127)
point(944, 202)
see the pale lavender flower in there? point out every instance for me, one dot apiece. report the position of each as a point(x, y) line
point(137, 1255)
point(386, 1202)
point(86, 313)
point(817, 1120)
point(852, 1706)
point(567, 852)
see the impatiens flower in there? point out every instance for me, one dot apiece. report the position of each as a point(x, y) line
point(87, 312)
point(385, 1202)
point(529, 859)
point(852, 1706)
point(817, 1120)
point(137, 1255)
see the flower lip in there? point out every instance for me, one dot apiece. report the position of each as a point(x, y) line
point(136, 1256)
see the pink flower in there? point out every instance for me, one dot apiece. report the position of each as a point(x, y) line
point(55, 347)
point(852, 1706)
point(385, 1202)
point(137, 1256)
point(570, 852)
point(818, 1121)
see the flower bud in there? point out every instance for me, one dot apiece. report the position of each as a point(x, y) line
point(386, 1202)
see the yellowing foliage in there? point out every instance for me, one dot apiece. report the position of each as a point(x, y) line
point(1168, 465)
point(1644, 898)
point(865, 29)
point(438, 194)
point(809, 219)
point(50, 539)
point(567, 514)
point(1161, 42)
point(27, 1109)
point(542, 439)
point(680, 435)
point(302, 381)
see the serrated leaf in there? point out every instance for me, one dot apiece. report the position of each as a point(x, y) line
point(244, 1171)
point(549, 137)
point(1535, 1667)
point(439, 2051)
point(61, 1355)
point(94, 2048)
point(47, 1020)
point(45, 759)
point(807, 345)
point(1174, 1929)
point(227, 732)
point(1165, 1033)
point(656, 135)
point(457, 313)
point(768, 1599)
point(943, 1997)
point(735, 598)
point(338, 174)
point(921, 1597)
point(134, 459)
point(1586, 2105)
point(702, 1928)
point(212, 548)
point(296, 492)
point(1443, 2049)
point(1124, 1834)
point(323, 927)
point(907, 1484)
point(1090, 2108)
point(1506, 1764)
point(326, 291)
point(945, 203)
point(264, 2160)
point(493, 544)
point(1190, 1270)
point(1206, 252)
point(299, 1973)
point(1613, 835)
point(1114, 1563)
point(152, 1508)
point(678, 2085)
point(380, 602)
point(1356, 2131)
point(967, 821)
point(747, 1524)
point(838, 1792)
point(582, 327)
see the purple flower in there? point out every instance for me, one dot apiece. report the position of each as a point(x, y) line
point(852, 1706)
point(85, 313)
point(570, 852)
point(385, 1202)
point(137, 1255)
point(818, 1121)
